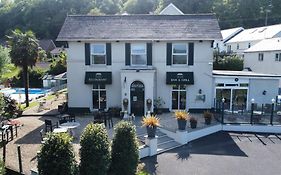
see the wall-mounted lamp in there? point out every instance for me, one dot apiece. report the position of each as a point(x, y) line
point(223, 100)
point(273, 101)
point(125, 79)
point(200, 91)
point(264, 92)
point(252, 100)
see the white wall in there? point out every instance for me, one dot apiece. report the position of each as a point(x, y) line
point(80, 94)
point(242, 46)
point(257, 86)
point(267, 66)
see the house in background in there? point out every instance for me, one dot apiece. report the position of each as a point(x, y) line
point(47, 44)
point(50, 81)
point(249, 37)
point(264, 57)
point(171, 9)
point(227, 34)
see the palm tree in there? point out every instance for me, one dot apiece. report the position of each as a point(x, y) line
point(24, 53)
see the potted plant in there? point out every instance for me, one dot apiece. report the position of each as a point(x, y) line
point(181, 117)
point(150, 122)
point(208, 117)
point(193, 122)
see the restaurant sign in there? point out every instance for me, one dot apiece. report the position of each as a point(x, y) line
point(98, 78)
point(179, 78)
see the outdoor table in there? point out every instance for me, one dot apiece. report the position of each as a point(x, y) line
point(4, 130)
point(71, 126)
point(60, 130)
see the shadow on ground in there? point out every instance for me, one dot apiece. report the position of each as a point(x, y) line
point(219, 143)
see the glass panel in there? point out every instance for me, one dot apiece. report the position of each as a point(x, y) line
point(99, 59)
point(220, 84)
point(98, 49)
point(95, 99)
point(224, 93)
point(139, 59)
point(138, 49)
point(239, 99)
point(179, 59)
point(175, 100)
point(182, 100)
point(102, 99)
point(179, 48)
point(102, 86)
point(244, 84)
point(182, 87)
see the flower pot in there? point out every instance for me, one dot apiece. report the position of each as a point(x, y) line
point(208, 121)
point(181, 124)
point(193, 124)
point(151, 131)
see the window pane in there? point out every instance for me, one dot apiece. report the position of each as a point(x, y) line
point(139, 59)
point(182, 99)
point(98, 59)
point(174, 100)
point(179, 48)
point(95, 99)
point(98, 49)
point(175, 87)
point(138, 49)
point(179, 59)
point(102, 99)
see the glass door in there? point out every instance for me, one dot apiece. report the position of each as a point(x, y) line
point(179, 97)
point(226, 94)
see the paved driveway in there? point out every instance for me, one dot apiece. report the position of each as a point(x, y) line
point(220, 154)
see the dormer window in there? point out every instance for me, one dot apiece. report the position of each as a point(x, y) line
point(138, 54)
point(179, 54)
point(98, 54)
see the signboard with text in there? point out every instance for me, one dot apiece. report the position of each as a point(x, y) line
point(179, 78)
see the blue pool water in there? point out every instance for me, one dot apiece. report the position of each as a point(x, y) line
point(21, 91)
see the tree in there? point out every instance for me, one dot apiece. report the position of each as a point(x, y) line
point(58, 66)
point(125, 152)
point(139, 6)
point(56, 156)
point(94, 151)
point(24, 53)
point(4, 58)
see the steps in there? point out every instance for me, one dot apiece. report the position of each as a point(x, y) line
point(164, 143)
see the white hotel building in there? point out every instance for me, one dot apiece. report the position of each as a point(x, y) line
point(128, 61)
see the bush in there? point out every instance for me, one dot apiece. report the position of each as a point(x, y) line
point(56, 156)
point(11, 108)
point(35, 78)
point(2, 167)
point(58, 66)
point(231, 62)
point(125, 152)
point(95, 150)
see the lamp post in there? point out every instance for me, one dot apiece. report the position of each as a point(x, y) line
point(272, 109)
point(222, 115)
point(252, 110)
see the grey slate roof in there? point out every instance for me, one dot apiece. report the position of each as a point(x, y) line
point(140, 27)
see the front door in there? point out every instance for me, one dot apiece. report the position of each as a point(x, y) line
point(137, 98)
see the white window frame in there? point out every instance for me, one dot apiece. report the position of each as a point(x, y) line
point(184, 54)
point(99, 90)
point(145, 53)
point(178, 90)
point(260, 57)
point(93, 54)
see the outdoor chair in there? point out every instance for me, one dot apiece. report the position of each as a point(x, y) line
point(71, 118)
point(61, 121)
point(49, 126)
point(42, 136)
point(98, 117)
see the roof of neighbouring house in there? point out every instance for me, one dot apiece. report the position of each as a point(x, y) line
point(243, 74)
point(47, 44)
point(257, 33)
point(266, 45)
point(229, 33)
point(140, 27)
point(171, 9)
point(57, 50)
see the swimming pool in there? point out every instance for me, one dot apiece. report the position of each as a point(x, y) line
point(19, 95)
point(21, 91)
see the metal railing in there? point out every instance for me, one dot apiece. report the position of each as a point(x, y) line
point(258, 114)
